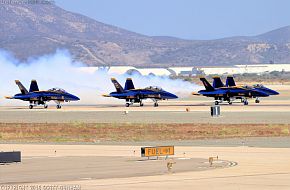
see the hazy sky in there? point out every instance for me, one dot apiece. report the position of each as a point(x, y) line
point(190, 19)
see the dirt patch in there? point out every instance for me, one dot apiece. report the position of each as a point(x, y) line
point(91, 132)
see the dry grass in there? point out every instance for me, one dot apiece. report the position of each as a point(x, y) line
point(89, 132)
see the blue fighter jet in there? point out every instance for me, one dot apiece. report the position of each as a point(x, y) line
point(132, 95)
point(229, 93)
point(230, 82)
point(36, 97)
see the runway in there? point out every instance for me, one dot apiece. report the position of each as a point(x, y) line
point(247, 168)
point(242, 164)
point(144, 117)
point(268, 112)
point(194, 109)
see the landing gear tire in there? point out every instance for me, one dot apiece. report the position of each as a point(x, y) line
point(155, 104)
point(127, 104)
point(230, 103)
point(45, 106)
point(257, 101)
point(141, 104)
point(246, 103)
point(30, 106)
point(216, 103)
point(58, 106)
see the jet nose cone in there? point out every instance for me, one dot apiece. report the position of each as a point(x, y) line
point(172, 96)
point(275, 92)
point(75, 98)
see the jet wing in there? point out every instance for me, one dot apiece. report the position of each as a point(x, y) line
point(130, 94)
point(215, 92)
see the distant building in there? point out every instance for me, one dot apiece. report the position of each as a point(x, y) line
point(241, 69)
point(191, 71)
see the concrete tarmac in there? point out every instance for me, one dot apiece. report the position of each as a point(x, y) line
point(146, 117)
point(250, 168)
point(167, 112)
point(271, 110)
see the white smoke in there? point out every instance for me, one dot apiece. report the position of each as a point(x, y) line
point(58, 70)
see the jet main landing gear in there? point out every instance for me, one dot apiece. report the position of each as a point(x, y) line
point(128, 104)
point(141, 104)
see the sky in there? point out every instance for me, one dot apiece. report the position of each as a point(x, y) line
point(187, 19)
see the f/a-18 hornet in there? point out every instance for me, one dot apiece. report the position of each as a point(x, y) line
point(230, 82)
point(36, 97)
point(231, 92)
point(132, 95)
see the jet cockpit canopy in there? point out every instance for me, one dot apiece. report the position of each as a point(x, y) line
point(57, 90)
point(154, 88)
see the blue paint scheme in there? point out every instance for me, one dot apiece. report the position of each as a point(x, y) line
point(217, 82)
point(132, 95)
point(36, 97)
point(230, 91)
point(265, 89)
point(231, 83)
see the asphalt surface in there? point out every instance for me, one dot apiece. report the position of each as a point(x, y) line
point(272, 110)
point(243, 117)
point(116, 167)
point(53, 168)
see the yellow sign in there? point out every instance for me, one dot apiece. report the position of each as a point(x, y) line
point(157, 151)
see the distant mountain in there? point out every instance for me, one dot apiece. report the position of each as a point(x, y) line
point(34, 30)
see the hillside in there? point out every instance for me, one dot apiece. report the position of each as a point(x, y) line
point(33, 30)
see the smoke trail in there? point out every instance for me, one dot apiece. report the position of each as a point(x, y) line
point(58, 70)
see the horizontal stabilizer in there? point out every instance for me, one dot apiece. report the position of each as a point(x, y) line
point(196, 94)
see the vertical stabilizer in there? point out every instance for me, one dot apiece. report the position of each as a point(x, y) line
point(117, 85)
point(206, 84)
point(129, 84)
point(21, 87)
point(33, 86)
point(217, 82)
point(230, 81)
